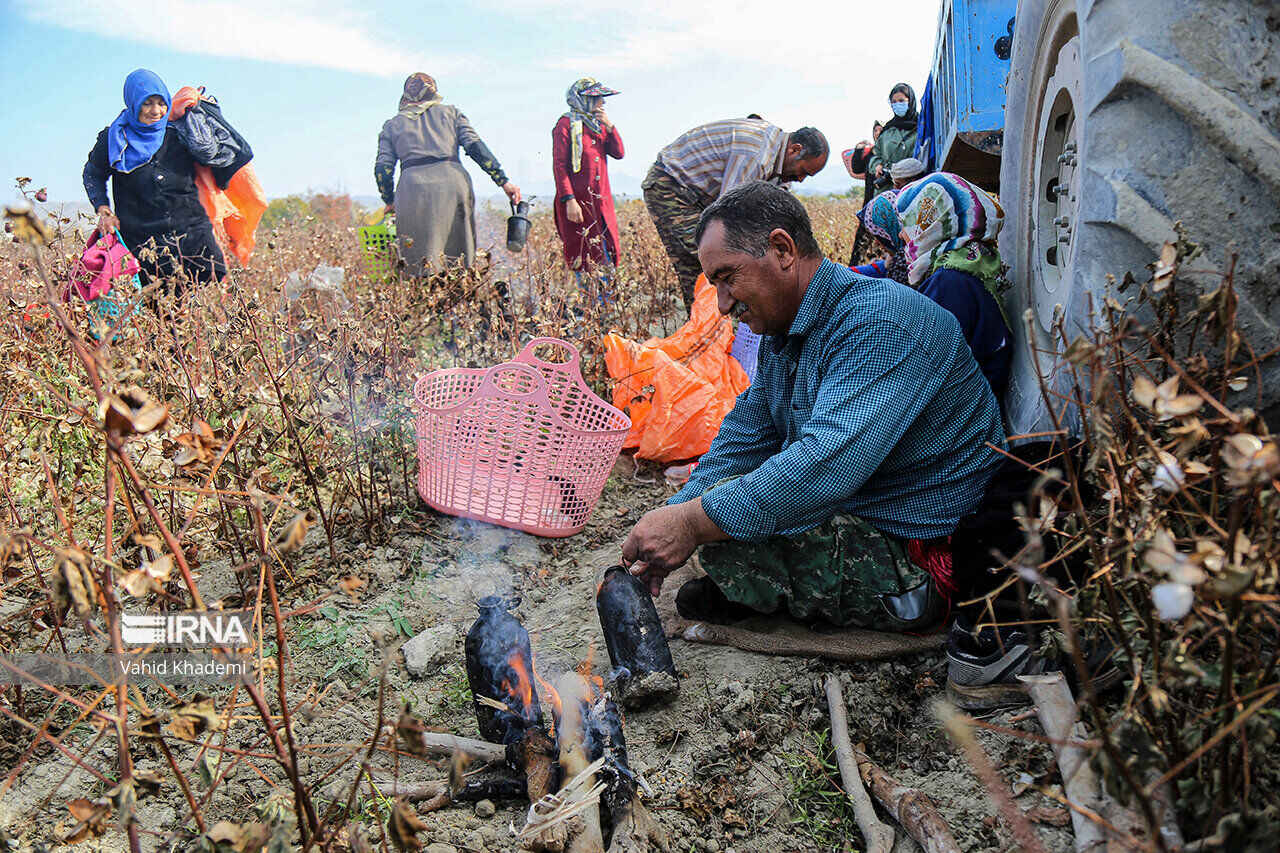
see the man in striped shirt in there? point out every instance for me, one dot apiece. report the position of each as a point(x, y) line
point(835, 482)
point(708, 161)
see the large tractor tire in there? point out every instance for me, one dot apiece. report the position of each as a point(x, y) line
point(1123, 118)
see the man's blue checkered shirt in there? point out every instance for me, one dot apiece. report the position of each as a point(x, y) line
point(871, 405)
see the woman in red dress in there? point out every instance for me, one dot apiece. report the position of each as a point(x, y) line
point(583, 141)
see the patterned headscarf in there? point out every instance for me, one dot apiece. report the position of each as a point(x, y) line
point(419, 94)
point(941, 213)
point(880, 218)
point(581, 98)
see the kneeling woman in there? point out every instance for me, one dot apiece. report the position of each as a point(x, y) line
point(949, 227)
point(152, 177)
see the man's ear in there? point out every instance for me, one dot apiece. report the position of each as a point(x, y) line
point(780, 243)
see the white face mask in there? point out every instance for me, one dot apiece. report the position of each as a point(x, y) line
point(899, 108)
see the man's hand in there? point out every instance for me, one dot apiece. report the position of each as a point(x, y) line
point(664, 540)
point(879, 170)
point(389, 209)
point(573, 211)
point(512, 191)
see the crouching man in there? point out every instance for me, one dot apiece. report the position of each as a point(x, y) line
point(836, 480)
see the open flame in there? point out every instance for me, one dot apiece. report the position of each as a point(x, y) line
point(550, 692)
point(586, 670)
point(521, 692)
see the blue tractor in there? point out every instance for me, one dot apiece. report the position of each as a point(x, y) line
point(1101, 124)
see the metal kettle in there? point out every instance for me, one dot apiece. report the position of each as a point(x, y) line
point(518, 227)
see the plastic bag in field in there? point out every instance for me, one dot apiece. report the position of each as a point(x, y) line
point(678, 389)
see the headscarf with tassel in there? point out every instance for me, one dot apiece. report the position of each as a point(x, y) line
point(582, 98)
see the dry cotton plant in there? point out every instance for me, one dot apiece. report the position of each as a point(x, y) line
point(1172, 506)
point(244, 428)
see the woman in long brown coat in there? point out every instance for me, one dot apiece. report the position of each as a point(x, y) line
point(434, 201)
point(581, 144)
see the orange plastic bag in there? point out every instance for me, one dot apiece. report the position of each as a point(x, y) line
point(678, 389)
point(235, 211)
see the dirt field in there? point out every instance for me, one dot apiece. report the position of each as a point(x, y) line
point(738, 762)
point(286, 410)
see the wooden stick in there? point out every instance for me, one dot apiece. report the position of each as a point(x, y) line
point(479, 749)
point(879, 836)
point(571, 733)
point(536, 753)
point(910, 807)
point(1056, 708)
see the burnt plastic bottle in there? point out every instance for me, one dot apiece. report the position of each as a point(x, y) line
point(499, 667)
point(633, 633)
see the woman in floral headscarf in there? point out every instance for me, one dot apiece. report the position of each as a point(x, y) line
point(879, 219)
point(434, 201)
point(581, 144)
point(949, 227)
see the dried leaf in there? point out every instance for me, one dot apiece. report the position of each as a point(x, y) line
point(74, 584)
point(132, 412)
point(27, 227)
point(13, 547)
point(1251, 460)
point(147, 578)
point(1080, 350)
point(410, 730)
point(358, 839)
point(294, 533)
point(403, 827)
point(351, 585)
point(195, 717)
point(148, 540)
point(91, 820)
point(458, 765)
point(124, 797)
point(1164, 269)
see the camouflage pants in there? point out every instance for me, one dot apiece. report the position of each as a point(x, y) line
point(839, 571)
point(675, 213)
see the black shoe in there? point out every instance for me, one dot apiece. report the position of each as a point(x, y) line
point(983, 670)
point(700, 600)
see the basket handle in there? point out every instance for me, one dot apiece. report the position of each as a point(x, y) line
point(528, 355)
point(489, 387)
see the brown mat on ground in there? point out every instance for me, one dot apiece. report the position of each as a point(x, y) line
point(772, 635)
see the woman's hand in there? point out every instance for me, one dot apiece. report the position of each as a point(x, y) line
point(512, 191)
point(601, 116)
point(573, 211)
point(107, 221)
point(879, 170)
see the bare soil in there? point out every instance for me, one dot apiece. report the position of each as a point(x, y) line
point(738, 762)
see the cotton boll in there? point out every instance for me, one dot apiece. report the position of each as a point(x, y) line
point(1168, 476)
point(1172, 600)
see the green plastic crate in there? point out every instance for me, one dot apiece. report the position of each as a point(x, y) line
point(379, 247)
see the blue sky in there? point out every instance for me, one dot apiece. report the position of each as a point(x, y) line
point(310, 82)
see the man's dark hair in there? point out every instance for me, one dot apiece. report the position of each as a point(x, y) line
point(812, 142)
point(751, 212)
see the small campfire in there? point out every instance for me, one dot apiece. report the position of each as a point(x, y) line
point(570, 771)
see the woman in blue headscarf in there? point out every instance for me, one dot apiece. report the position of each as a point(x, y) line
point(157, 207)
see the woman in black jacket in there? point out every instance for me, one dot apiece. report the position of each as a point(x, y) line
point(157, 207)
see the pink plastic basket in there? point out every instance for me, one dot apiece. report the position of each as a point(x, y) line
point(525, 444)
